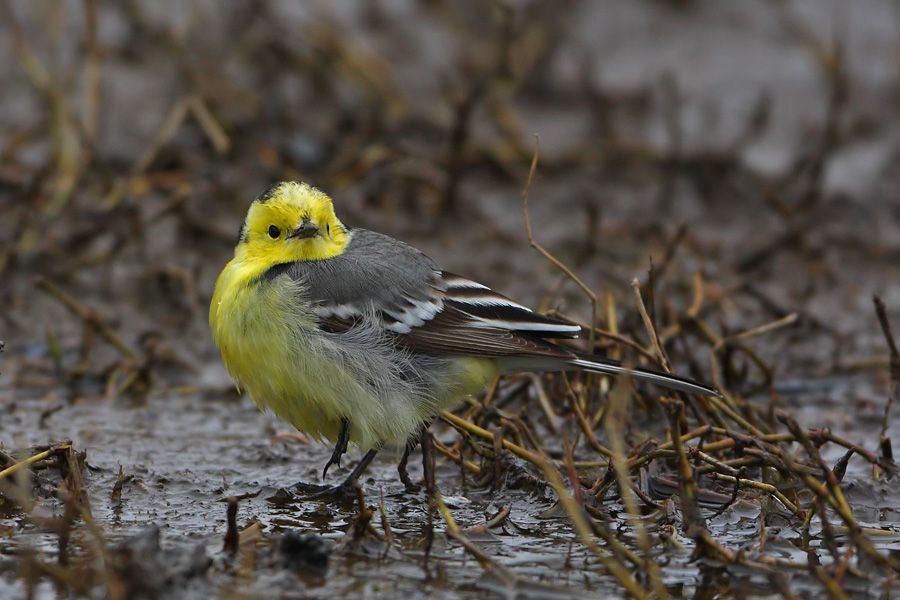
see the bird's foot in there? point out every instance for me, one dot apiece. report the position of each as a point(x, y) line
point(348, 490)
point(314, 491)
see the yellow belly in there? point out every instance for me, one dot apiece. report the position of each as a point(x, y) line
point(259, 330)
point(271, 346)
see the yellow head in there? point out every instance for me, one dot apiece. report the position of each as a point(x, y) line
point(290, 222)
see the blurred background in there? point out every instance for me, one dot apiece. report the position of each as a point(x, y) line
point(747, 150)
point(756, 142)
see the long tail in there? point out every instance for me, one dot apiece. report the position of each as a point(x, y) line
point(611, 367)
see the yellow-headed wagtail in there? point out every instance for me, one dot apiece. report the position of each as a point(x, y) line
point(353, 336)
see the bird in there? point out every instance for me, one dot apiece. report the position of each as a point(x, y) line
point(352, 336)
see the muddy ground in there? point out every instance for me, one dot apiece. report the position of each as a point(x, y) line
point(747, 151)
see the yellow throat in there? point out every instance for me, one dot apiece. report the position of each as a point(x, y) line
point(287, 223)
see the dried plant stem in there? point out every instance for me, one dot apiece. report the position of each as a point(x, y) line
point(15, 468)
point(484, 559)
point(546, 254)
point(615, 425)
point(584, 532)
point(88, 316)
point(639, 461)
point(454, 455)
point(734, 416)
point(475, 430)
point(693, 522)
point(648, 325)
point(894, 365)
point(764, 487)
point(586, 426)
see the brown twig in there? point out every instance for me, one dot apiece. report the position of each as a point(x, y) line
point(88, 316)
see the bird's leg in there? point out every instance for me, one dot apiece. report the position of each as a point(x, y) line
point(358, 470)
point(346, 489)
point(401, 467)
point(340, 446)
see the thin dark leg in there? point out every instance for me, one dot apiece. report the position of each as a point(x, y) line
point(340, 447)
point(401, 468)
point(359, 469)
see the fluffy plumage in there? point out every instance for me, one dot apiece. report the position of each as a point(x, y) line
point(323, 324)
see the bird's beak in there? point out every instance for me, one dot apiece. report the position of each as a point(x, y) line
point(307, 229)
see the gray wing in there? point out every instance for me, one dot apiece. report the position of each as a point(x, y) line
point(420, 306)
point(376, 274)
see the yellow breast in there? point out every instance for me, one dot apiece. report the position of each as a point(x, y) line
point(262, 329)
point(271, 346)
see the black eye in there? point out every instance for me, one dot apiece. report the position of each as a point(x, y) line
point(328, 229)
point(274, 232)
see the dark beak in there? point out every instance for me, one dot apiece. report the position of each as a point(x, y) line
point(307, 229)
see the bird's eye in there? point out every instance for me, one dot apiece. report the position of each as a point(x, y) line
point(274, 232)
point(328, 229)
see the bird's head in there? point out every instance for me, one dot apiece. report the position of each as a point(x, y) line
point(290, 222)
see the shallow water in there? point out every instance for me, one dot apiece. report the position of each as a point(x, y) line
point(182, 455)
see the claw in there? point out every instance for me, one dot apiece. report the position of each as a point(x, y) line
point(340, 447)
